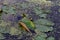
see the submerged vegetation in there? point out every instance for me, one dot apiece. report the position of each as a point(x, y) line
point(38, 25)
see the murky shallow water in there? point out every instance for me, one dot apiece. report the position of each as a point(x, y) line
point(54, 17)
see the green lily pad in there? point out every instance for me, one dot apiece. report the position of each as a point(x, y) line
point(50, 38)
point(24, 5)
point(39, 38)
point(5, 9)
point(43, 15)
point(43, 28)
point(9, 9)
point(44, 22)
point(28, 23)
point(37, 10)
point(46, 11)
point(43, 35)
point(1, 36)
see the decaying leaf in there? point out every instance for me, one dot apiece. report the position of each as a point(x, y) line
point(14, 31)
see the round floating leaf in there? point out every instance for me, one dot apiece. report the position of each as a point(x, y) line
point(43, 15)
point(44, 22)
point(28, 23)
point(5, 9)
point(9, 9)
point(12, 10)
point(39, 38)
point(14, 31)
point(43, 28)
point(37, 10)
point(1, 36)
point(43, 35)
point(4, 28)
point(50, 38)
point(24, 5)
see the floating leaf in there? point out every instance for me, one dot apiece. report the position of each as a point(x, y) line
point(28, 23)
point(3, 23)
point(50, 38)
point(39, 38)
point(12, 10)
point(46, 11)
point(4, 28)
point(43, 28)
point(1, 36)
point(24, 5)
point(9, 9)
point(37, 10)
point(5, 9)
point(44, 22)
point(43, 15)
point(14, 31)
point(42, 2)
point(42, 35)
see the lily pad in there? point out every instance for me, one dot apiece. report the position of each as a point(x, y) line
point(1, 36)
point(28, 23)
point(9, 9)
point(4, 28)
point(39, 38)
point(43, 28)
point(14, 31)
point(43, 15)
point(38, 10)
point(51, 38)
point(44, 22)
